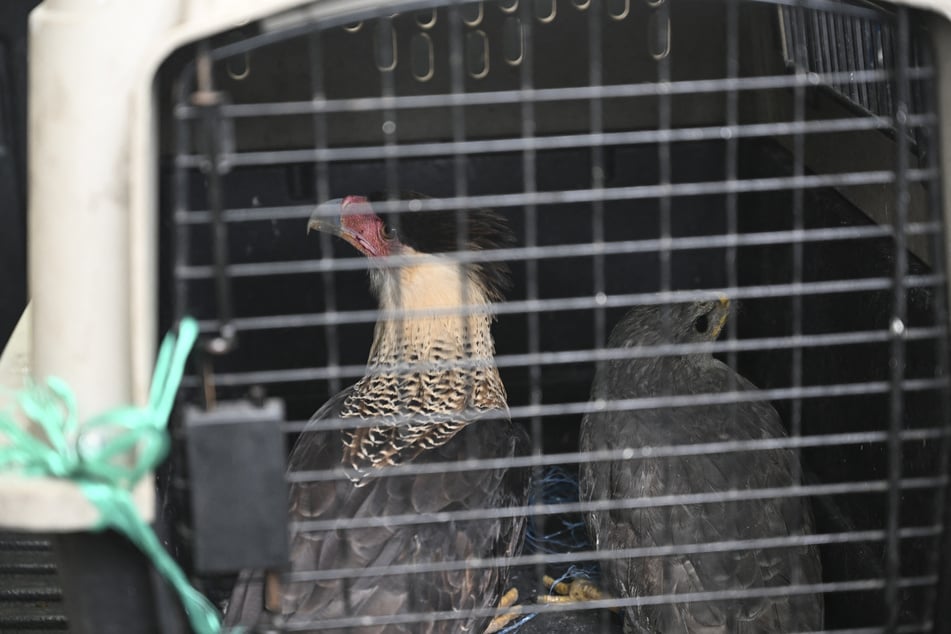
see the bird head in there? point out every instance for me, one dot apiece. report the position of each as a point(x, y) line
point(688, 322)
point(417, 233)
point(353, 219)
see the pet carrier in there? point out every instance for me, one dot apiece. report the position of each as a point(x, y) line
point(787, 157)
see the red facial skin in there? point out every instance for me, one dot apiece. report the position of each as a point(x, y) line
point(362, 228)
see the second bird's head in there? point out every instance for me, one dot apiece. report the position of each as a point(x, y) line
point(418, 233)
point(686, 322)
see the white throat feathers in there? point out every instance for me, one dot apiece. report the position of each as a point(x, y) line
point(431, 368)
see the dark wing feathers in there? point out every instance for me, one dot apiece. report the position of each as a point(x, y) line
point(698, 524)
point(386, 546)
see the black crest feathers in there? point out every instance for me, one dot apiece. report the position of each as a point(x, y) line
point(437, 232)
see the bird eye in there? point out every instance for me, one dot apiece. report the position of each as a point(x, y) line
point(387, 232)
point(701, 324)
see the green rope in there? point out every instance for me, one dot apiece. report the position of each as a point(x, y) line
point(108, 455)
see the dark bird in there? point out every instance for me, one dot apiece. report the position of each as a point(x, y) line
point(748, 570)
point(431, 394)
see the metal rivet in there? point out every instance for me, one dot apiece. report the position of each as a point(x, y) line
point(898, 327)
point(508, 6)
point(581, 5)
point(353, 28)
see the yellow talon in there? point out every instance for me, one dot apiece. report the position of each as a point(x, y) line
point(507, 601)
point(575, 590)
point(509, 598)
point(561, 587)
point(554, 598)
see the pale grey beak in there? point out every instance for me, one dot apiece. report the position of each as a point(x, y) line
point(326, 217)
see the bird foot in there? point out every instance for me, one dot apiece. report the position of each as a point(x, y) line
point(567, 592)
point(507, 601)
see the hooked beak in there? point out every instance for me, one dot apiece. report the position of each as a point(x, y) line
point(326, 218)
point(724, 313)
point(358, 230)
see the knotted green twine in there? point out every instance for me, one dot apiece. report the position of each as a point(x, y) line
point(108, 455)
